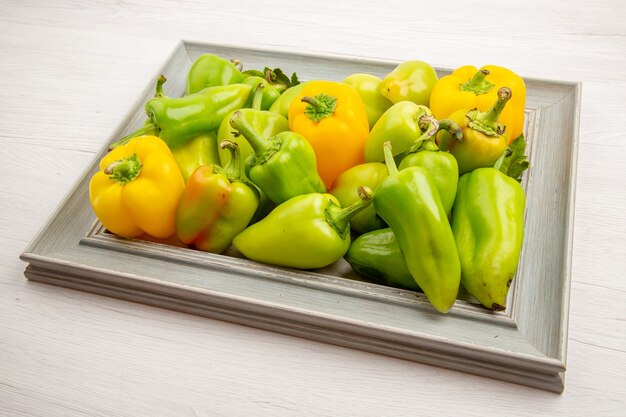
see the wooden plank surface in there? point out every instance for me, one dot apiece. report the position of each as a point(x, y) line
point(69, 74)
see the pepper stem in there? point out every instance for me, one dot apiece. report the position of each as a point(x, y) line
point(259, 144)
point(257, 99)
point(148, 127)
point(159, 86)
point(320, 106)
point(232, 170)
point(487, 122)
point(339, 218)
point(124, 170)
point(237, 63)
point(392, 168)
point(478, 84)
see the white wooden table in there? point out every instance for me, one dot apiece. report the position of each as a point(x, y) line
point(69, 71)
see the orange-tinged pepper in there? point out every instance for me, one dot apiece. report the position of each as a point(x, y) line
point(137, 189)
point(333, 119)
point(469, 88)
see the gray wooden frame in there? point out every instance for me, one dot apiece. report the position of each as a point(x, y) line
point(525, 344)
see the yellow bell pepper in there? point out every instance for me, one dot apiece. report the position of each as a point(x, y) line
point(137, 189)
point(332, 118)
point(469, 88)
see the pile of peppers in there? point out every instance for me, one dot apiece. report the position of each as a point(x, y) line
point(413, 179)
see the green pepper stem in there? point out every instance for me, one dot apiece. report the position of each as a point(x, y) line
point(232, 170)
point(237, 63)
point(259, 144)
point(487, 122)
point(148, 127)
point(320, 106)
point(339, 218)
point(159, 86)
point(392, 168)
point(257, 99)
point(124, 170)
point(478, 84)
point(452, 128)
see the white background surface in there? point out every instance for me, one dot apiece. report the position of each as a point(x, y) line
point(69, 71)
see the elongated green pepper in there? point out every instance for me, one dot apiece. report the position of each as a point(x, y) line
point(376, 255)
point(441, 166)
point(409, 202)
point(488, 226)
point(282, 104)
point(282, 166)
point(269, 94)
point(210, 70)
point(265, 123)
point(305, 232)
point(178, 120)
point(403, 124)
point(215, 206)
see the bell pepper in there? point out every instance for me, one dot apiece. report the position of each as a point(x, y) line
point(441, 166)
point(282, 103)
point(201, 150)
point(403, 124)
point(265, 123)
point(137, 189)
point(216, 205)
point(488, 226)
point(210, 70)
point(469, 88)
point(368, 87)
point(377, 256)
point(345, 189)
point(178, 120)
point(332, 117)
point(483, 140)
point(305, 232)
point(269, 94)
point(409, 203)
point(282, 166)
point(410, 81)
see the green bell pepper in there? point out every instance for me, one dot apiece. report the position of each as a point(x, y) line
point(410, 81)
point(305, 232)
point(281, 105)
point(404, 124)
point(210, 70)
point(282, 166)
point(376, 255)
point(201, 150)
point(178, 120)
point(265, 123)
point(215, 205)
point(269, 96)
point(345, 189)
point(409, 203)
point(441, 166)
point(368, 87)
point(488, 226)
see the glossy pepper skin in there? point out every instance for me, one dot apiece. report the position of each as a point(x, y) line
point(483, 140)
point(471, 88)
point(441, 167)
point(332, 117)
point(269, 93)
point(266, 123)
point(282, 104)
point(368, 87)
point(179, 120)
point(488, 226)
point(424, 237)
point(137, 189)
point(345, 189)
point(201, 150)
point(210, 70)
point(306, 232)
point(410, 81)
point(282, 166)
point(403, 124)
point(377, 256)
point(215, 206)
